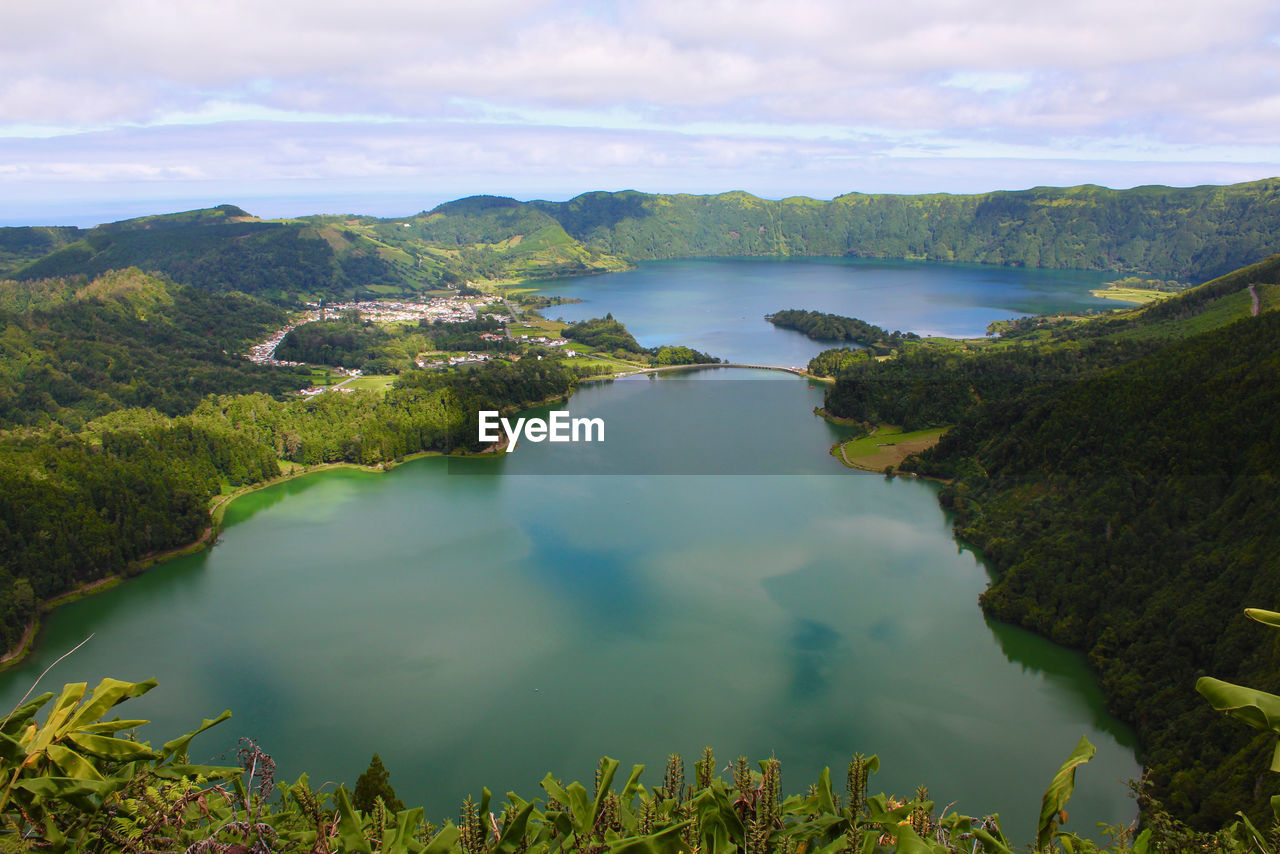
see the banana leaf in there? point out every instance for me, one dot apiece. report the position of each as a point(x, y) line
point(1060, 791)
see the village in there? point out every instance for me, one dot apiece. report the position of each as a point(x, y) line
point(437, 310)
point(454, 309)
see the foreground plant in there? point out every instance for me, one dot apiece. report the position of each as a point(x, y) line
point(74, 782)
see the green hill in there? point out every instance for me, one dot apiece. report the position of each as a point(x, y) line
point(1189, 234)
point(220, 250)
point(1132, 515)
point(1185, 234)
point(226, 249)
point(1122, 478)
point(128, 339)
point(490, 237)
point(21, 246)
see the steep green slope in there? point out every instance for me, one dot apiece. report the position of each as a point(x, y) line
point(490, 237)
point(226, 249)
point(221, 253)
point(1133, 515)
point(130, 339)
point(1189, 234)
point(1122, 477)
point(21, 246)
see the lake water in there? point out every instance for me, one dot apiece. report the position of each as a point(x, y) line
point(483, 622)
point(718, 306)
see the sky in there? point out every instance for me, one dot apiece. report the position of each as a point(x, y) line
point(118, 108)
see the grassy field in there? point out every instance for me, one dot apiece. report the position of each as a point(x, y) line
point(1269, 296)
point(538, 326)
point(1218, 313)
point(373, 382)
point(887, 447)
point(325, 376)
point(1134, 295)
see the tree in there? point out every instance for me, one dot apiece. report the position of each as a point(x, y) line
point(375, 782)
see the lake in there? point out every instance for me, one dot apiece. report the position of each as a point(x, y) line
point(708, 575)
point(718, 306)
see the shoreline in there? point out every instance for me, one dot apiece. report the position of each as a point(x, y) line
point(217, 509)
point(219, 503)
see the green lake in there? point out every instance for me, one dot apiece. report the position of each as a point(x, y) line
point(708, 575)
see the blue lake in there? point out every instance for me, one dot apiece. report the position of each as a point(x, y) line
point(718, 305)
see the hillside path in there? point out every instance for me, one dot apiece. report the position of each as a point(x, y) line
point(1257, 305)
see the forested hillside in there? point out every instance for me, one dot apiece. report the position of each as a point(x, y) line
point(226, 249)
point(1189, 234)
point(834, 327)
point(1124, 487)
point(1133, 515)
point(223, 249)
point(127, 339)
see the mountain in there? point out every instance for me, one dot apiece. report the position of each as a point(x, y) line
point(1185, 234)
point(1189, 234)
point(226, 249)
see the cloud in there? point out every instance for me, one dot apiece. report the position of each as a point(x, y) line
point(659, 89)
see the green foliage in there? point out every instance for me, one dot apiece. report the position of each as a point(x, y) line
point(1259, 709)
point(667, 355)
point(21, 246)
point(345, 342)
point(1053, 806)
point(833, 363)
point(374, 785)
point(1121, 499)
point(932, 387)
point(607, 334)
point(834, 327)
point(71, 781)
point(1187, 234)
point(127, 339)
point(603, 333)
point(76, 782)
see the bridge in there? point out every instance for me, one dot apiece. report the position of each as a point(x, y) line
point(787, 369)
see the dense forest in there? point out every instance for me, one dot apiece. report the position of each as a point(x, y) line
point(1123, 486)
point(604, 333)
point(1187, 234)
point(834, 327)
point(127, 339)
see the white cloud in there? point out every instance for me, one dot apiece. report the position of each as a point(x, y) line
point(666, 87)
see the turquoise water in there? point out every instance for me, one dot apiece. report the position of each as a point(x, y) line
point(483, 622)
point(718, 305)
